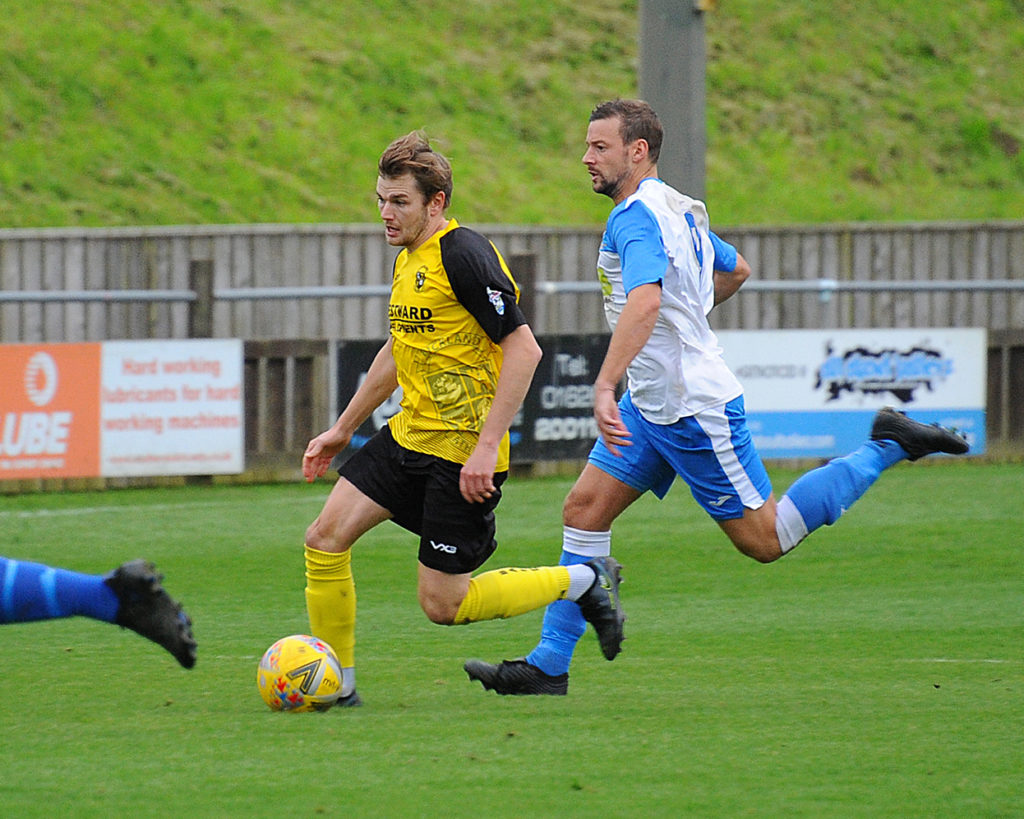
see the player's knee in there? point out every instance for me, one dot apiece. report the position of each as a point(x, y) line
point(763, 551)
point(327, 535)
point(755, 543)
point(439, 610)
point(569, 507)
point(575, 509)
point(754, 534)
point(316, 538)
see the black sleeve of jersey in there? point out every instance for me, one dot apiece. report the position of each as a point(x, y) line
point(479, 283)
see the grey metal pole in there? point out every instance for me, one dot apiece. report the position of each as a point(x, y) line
point(672, 73)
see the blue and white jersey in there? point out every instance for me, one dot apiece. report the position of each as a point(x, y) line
point(661, 235)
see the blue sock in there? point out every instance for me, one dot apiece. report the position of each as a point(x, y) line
point(33, 591)
point(823, 494)
point(562, 629)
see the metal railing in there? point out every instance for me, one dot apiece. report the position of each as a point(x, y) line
point(824, 287)
point(60, 296)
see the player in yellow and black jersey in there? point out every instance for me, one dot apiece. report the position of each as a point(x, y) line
point(461, 350)
point(453, 301)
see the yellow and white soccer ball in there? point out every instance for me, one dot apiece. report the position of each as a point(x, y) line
point(299, 673)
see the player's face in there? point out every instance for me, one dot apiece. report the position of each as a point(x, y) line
point(409, 218)
point(607, 157)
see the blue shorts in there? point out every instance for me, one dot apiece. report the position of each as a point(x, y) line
point(712, 451)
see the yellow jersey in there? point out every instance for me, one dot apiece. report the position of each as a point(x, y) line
point(453, 300)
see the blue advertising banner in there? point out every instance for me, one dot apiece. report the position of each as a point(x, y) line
point(814, 393)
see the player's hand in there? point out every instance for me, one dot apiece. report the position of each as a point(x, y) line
point(320, 452)
point(476, 481)
point(610, 427)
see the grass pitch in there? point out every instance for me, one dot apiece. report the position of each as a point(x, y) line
point(876, 671)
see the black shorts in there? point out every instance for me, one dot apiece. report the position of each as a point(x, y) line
point(422, 493)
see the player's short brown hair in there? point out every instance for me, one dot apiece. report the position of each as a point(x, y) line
point(638, 122)
point(412, 154)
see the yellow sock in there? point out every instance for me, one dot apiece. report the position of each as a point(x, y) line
point(508, 592)
point(331, 601)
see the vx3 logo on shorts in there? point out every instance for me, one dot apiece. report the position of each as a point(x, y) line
point(719, 501)
point(444, 547)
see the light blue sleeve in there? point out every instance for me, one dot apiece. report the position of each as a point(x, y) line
point(725, 253)
point(636, 237)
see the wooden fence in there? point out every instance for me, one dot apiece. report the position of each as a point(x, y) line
point(221, 281)
point(288, 290)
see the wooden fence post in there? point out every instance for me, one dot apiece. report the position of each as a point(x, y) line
point(524, 270)
point(200, 281)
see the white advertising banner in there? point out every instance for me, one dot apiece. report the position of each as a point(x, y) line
point(813, 393)
point(171, 408)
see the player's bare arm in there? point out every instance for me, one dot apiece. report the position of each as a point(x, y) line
point(632, 330)
point(380, 382)
point(520, 356)
point(727, 284)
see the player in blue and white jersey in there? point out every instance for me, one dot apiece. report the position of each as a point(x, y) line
point(662, 271)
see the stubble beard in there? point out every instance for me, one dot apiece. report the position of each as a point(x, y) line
point(412, 234)
point(608, 187)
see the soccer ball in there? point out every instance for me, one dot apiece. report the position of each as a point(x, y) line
point(299, 673)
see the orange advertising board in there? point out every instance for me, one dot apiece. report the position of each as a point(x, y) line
point(49, 410)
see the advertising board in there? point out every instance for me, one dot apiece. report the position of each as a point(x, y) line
point(121, 408)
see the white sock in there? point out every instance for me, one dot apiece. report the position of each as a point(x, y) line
point(348, 681)
point(581, 578)
point(789, 524)
point(587, 544)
